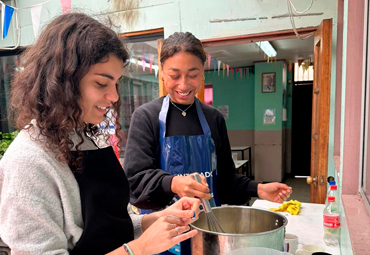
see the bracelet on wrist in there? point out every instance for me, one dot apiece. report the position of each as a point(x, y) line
point(127, 249)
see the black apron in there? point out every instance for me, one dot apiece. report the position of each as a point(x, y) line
point(105, 194)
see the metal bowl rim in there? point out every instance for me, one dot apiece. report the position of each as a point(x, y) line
point(285, 222)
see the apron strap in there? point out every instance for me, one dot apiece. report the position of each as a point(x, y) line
point(202, 118)
point(163, 117)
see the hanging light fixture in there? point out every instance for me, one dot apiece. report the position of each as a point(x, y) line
point(267, 48)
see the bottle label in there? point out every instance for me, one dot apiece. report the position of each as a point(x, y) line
point(331, 199)
point(331, 221)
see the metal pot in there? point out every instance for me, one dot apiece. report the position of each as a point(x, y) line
point(257, 251)
point(244, 227)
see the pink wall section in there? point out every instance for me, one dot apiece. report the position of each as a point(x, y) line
point(353, 95)
point(357, 218)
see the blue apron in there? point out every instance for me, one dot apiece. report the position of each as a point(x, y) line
point(183, 155)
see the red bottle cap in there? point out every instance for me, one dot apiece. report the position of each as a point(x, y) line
point(333, 187)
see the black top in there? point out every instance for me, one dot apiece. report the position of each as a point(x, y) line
point(174, 129)
point(150, 185)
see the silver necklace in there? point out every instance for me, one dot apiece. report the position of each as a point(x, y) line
point(183, 112)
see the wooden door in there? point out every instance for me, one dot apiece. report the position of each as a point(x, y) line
point(320, 112)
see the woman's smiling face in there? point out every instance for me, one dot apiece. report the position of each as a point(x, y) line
point(183, 75)
point(98, 89)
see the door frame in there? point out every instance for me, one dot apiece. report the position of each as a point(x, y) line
point(266, 36)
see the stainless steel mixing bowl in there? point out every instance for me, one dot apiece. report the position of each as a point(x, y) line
point(244, 227)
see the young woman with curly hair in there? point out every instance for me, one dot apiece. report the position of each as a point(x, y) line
point(60, 192)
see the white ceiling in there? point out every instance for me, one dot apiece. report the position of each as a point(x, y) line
point(241, 55)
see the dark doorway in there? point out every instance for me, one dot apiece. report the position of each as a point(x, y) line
point(301, 127)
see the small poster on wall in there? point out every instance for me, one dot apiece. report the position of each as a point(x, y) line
point(269, 117)
point(224, 109)
point(268, 82)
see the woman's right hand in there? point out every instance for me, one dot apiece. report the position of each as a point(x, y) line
point(161, 235)
point(189, 187)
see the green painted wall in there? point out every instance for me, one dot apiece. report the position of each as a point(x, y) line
point(180, 15)
point(245, 99)
point(268, 100)
point(238, 94)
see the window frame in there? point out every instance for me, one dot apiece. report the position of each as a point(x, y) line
point(365, 120)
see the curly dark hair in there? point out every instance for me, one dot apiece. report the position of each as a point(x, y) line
point(182, 42)
point(47, 89)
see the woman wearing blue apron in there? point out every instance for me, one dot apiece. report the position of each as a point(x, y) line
point(174, 136)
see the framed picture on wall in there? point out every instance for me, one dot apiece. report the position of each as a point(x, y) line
point(268, 83)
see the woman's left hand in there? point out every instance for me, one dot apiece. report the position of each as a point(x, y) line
point(187, 209)
point(274, 192)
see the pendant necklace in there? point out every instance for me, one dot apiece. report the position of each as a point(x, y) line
point(183, 112)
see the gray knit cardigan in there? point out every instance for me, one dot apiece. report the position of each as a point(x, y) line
point(40, 206)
